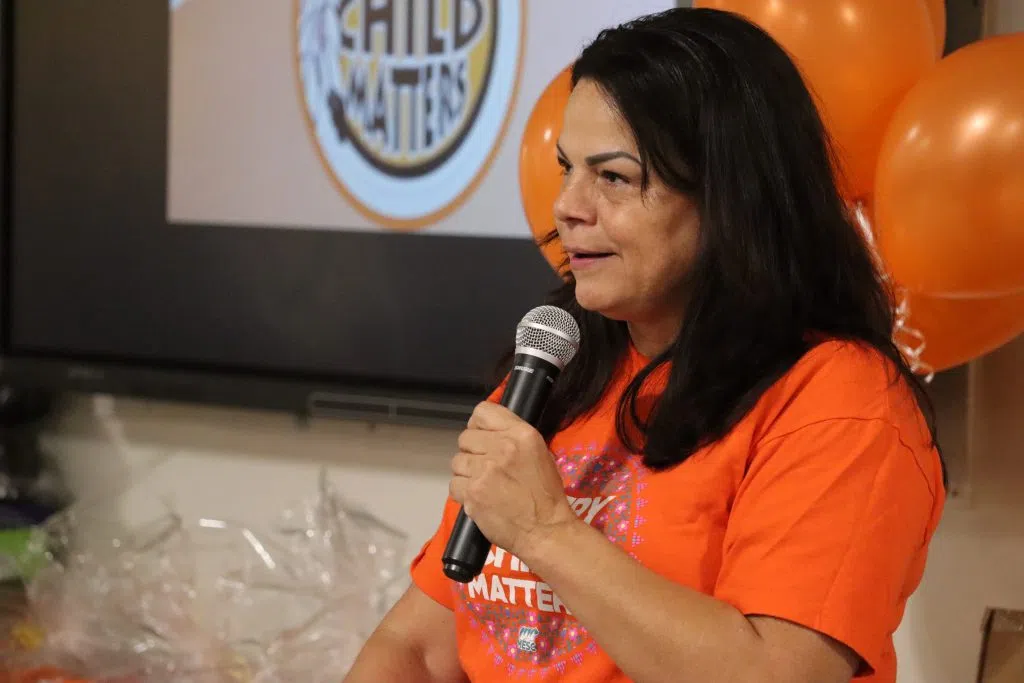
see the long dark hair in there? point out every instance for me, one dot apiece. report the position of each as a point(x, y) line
point(720, 112)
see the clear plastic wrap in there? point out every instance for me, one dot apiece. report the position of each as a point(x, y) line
point(212, 600)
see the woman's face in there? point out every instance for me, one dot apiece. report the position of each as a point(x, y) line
point(629, 251)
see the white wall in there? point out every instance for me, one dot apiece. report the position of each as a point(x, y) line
point(1004, 16)
point(977, 556)
point(127, 460)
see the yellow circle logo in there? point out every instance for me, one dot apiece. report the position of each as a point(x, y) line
point(408, 99)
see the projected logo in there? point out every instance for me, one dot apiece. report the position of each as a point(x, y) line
point(408, 99)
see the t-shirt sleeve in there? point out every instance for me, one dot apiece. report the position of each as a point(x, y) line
point(829, 529)
point(426, 568)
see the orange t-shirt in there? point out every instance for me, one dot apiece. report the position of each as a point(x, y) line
point(817, 508)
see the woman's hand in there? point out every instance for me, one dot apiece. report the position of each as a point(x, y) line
point(506, 480)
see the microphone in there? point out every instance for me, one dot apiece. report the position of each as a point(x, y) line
point(547, 338)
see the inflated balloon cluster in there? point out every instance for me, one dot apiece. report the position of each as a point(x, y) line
point(208, 600)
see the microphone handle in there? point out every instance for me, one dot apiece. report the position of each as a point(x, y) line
point(526, 393)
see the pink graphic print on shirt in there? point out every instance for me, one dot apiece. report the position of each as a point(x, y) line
point(523, 623)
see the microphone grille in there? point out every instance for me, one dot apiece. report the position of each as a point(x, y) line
point(550, 330)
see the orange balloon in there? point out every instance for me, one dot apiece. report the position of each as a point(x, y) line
point(956, 331)
point(937, 11)
point(949, 200)
point(540, 177)
point(859, 57)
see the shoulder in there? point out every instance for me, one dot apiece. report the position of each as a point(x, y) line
point(837, 498)
point(844, 412)
point(840, 380)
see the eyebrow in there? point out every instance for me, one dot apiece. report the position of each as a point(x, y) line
point(595, 159)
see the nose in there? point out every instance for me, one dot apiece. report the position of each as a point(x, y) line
point(574, 204)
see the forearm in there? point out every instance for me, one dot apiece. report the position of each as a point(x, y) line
point(654, 630)
point(385, 658)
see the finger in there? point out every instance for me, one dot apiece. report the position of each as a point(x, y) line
point(457, 489)
point(491, 422)
point(473, 440)
point(462, 465)
point(476, 465)
point(492, 417)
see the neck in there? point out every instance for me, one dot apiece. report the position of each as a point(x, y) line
point(651, 338)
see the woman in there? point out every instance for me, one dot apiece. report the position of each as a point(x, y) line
point(735, 479)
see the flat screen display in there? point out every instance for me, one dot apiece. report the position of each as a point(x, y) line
point(320, 189)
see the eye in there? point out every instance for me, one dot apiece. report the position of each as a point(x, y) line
point(564, 165)
point(613, 177)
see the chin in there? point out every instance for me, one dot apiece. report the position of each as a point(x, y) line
point(594, 300)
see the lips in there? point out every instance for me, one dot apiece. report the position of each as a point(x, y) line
point(586, 253)
point(581, 259)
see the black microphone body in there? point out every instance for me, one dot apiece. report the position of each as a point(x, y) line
point(527, 391)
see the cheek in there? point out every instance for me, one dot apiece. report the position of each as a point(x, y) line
point(657, 238)
point(660, 273)
point(662, 260)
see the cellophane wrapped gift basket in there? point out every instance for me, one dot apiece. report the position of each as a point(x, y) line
point(203, 600)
